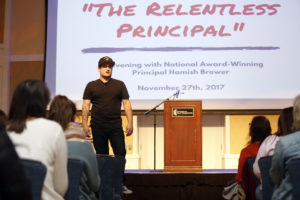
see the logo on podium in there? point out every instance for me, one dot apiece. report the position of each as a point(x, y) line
point(182, 112)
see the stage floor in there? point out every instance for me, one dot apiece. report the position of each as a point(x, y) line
point(162, 171)
point(157, 185)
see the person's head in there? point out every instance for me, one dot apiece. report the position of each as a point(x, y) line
point(30, 99)
point(260, 128)
point(105, 66)
point(296, 114)
point(3, 118)
point(62, 110)
point(285, 121)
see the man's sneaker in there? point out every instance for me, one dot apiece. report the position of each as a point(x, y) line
point(126, 190)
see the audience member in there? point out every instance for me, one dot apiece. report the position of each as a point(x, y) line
point(259, 129)
point(286, 121)
point(63, 111)
point(286, 148)
point(13, 182)
point(267, 147)
point(3, 117)
point(37, 138)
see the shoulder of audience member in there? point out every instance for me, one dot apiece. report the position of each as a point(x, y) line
point(290, 138)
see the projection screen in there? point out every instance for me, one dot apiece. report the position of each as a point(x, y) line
point(230, 54)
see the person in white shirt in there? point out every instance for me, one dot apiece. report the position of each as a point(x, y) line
point(285, 123)
point(37, 138)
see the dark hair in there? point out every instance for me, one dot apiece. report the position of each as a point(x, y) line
point(286, 121)
point(260, 128)
point(296, 114)
point(30, 99)
point(3, 118)
point(279, 130)
point(62, 110)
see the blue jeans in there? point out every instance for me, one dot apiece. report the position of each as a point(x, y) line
point(101, 136)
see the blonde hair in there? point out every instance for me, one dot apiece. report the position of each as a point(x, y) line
point(296, 114)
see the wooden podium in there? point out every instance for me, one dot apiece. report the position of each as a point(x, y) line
point(183, 136)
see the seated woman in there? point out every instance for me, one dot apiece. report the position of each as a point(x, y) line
point(259, 129)
point(63, 111)
point(37, 138)
point(286, 148)
point(267, 147)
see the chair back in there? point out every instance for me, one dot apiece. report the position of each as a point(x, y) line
point(36, 173)
point(75, 168)
point(293, 169)
point(251, 161)
point(111, 170)
point(264, 164)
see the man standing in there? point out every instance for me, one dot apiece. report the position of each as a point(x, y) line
point(106, 95)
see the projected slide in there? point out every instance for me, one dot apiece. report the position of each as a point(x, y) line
point(207, 49)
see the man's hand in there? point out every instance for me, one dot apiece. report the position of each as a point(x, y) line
point(129, 129)
point(128, 112)
point(86, 130)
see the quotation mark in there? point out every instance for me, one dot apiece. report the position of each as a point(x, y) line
point(239, 26)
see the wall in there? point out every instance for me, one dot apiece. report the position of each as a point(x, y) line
point(217, 151)
point(22, 44)
point(4, 53)
point(240, 124)
point(2, 20)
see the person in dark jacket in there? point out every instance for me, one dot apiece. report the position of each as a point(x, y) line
point(3, 117)
point(13, 182)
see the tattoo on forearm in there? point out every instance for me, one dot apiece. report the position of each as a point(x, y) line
point(85, 113)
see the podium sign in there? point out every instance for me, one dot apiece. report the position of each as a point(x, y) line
point(182, 112)
point(183, 136)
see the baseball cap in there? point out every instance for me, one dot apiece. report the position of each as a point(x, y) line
point(106, 60)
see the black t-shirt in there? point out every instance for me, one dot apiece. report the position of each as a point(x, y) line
point(106, 101)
